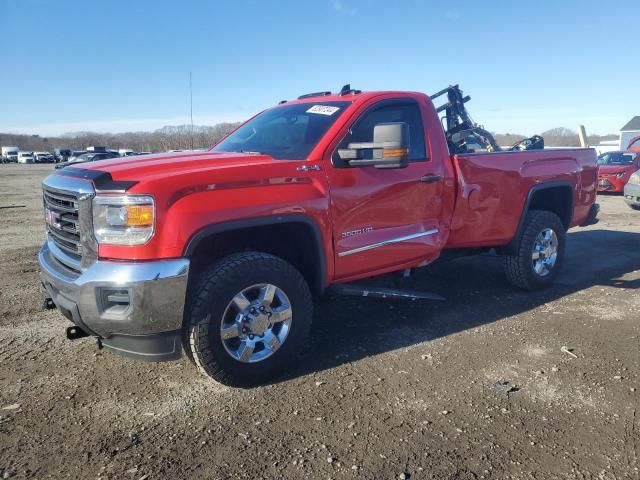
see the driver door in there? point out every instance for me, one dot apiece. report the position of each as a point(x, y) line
point(386, 219)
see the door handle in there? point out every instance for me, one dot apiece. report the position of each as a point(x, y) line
point(431, 178)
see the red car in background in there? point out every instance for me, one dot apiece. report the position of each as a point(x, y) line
point(615, 169)
point(634, 144)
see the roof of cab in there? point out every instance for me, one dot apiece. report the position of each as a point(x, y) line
point(354, 97)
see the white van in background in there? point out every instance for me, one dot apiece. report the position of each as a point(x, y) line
point(25, 157)
point(10, 154)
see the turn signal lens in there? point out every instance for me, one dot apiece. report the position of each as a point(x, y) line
point(395, 152)
point(139, 215)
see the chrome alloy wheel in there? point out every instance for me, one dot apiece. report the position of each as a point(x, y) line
point(256, 323)
point(545, 252)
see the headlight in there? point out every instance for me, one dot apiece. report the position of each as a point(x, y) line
point(635, 179)
point(123, 220)
point(621, 174)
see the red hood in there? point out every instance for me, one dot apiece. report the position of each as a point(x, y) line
point(140, 168)
point(613, 169)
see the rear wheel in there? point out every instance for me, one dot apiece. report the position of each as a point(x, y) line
point(249, 317)
point(539, 253)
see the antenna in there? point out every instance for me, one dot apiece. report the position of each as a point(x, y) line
point(191, 107)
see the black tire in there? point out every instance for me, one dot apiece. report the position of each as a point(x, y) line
point(635, 207)
point(519, 267)
point(208, 302)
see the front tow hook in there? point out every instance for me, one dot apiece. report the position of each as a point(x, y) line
point(73, 333)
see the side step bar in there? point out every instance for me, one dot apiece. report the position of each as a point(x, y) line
point(381, 292)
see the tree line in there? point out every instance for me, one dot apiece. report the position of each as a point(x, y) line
point(555, 137)
point(182, 137)
point(179, 137)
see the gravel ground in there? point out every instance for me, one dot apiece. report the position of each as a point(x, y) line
point(476, 387)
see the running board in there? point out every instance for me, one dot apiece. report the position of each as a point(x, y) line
point(381, 292)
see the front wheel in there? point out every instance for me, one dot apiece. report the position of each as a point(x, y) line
point(249, 318)
point(539, 253)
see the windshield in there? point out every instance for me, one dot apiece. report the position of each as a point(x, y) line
point(616, 158)
point(288, 132)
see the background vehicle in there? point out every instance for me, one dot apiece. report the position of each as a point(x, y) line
point(615, 170)
point(10, 154)
point(634, 144)
point(89, 157)
point(632, 191)
point(43, 157)
point(75, 154)
point(125, 152)
point(25, 157)
point(219, 252)
point(62, 154)
point(96, 149)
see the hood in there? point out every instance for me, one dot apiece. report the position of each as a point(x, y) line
point(613, 169)
point(148, 167)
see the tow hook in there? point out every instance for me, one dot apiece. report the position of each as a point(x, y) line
point(73, 333)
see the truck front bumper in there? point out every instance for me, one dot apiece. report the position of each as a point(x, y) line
point(632, 194)
point(134, 309)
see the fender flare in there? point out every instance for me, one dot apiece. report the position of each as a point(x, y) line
point(512, 245)
point(216, 228)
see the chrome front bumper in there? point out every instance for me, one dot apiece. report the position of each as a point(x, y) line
point(136, 309)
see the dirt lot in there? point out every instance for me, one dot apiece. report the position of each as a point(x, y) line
point(386, 390)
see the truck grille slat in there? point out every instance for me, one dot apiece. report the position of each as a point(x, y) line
point(70, 249)
point(68, 239)
point(61, 206)
point(63, 224)
point(62, 198)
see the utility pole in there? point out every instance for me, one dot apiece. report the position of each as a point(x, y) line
point(191, 107)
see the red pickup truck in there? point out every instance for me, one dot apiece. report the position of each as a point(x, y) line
point(219, 253)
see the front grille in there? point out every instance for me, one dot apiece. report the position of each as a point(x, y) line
point(63, 225)
point(604, 184)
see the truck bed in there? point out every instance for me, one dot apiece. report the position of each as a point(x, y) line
point(492, 189)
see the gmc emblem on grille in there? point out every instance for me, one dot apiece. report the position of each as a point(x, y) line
point(52, 218)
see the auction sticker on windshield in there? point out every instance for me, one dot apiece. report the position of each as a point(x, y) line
point(323, 109)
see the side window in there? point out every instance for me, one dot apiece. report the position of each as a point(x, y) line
point(362, 130)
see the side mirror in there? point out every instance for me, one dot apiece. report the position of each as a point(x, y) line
point(389, 149)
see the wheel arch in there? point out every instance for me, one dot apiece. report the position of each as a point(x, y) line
point(556, 197)
point(303, 249)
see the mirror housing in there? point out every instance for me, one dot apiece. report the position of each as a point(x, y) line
point(390, 147)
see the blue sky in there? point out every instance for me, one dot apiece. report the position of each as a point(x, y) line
point(118, 65)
